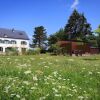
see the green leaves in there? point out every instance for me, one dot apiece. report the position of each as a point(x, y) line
point(77, 26)
point(39, 36)
point(58, 36)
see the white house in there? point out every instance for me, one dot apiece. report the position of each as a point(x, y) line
point(10, 38)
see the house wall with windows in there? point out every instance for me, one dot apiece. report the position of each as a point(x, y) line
point(13, 43)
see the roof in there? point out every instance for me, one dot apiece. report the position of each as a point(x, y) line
point(11, 33)
point(68, 41)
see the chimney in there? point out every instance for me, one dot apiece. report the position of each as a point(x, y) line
point(13, 30)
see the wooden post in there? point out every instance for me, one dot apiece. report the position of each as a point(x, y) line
point(70, 48)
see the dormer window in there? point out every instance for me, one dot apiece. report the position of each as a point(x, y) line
point(5, 36)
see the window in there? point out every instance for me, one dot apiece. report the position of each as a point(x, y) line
point(5, 35)
point(1, 41)
point(6, 41)
point(13, 42)
point(23, 43)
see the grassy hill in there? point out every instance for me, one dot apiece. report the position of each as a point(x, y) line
point(45, 77)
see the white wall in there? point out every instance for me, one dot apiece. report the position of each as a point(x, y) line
point(18, 44)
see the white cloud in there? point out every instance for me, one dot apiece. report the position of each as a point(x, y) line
point(75, 4)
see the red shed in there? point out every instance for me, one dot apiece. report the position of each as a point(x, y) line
point(75, 45)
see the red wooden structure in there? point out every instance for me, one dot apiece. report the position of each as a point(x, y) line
point(73, 46)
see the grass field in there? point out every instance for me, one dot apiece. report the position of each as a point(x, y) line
point(45, 77)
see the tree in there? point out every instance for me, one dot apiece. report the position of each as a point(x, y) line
point(92, 40)
point(97, 31)
point(52, 39)
point(58, 36)
point(39, 36)
point(77, 26)
point(61, 36)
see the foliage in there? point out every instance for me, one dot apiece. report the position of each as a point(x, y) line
point(77, 26)
point(30, 52)
point(36, 51)
point(43, 51)
point(48, 77)
point(97, 30)
point(61, 36)
point(58, 36)
point(98, 36)
point(39, 36)
point(92, 39)
point(56, 49)
point(11, 51)
point(52, 39)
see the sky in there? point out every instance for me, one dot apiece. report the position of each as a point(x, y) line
point(52, 14)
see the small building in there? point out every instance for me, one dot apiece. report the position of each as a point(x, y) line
point(11, 38)
point(75, 45)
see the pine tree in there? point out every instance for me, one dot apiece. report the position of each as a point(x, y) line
point(39, 36)
point(77, 26)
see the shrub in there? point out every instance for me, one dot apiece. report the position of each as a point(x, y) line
point(30, 52)
point(42, 51)
point(37, 51)
point(11, 51)
point(33, 52)
point(56, 49)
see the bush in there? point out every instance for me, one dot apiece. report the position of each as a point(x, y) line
point(37, 51)
point(33, 52)
point(11, 51)
point(30, 52)
point(56, 49)
point(42, 51)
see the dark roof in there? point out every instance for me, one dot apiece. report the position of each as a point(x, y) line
point(11, 33)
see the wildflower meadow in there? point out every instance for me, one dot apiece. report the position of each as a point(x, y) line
point(45, 77)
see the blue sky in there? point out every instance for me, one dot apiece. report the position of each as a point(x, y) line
point(52, 14)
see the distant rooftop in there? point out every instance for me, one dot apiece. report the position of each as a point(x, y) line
point(12, 33)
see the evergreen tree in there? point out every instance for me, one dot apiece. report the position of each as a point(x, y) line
point(77, 26)
point(39, 36)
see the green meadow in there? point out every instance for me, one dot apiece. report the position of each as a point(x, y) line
point(45, 77)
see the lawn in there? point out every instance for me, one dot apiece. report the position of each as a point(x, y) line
point(45, 77)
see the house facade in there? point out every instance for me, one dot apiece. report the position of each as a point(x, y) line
point(10, 38)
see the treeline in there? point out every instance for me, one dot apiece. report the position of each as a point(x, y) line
point(77, 28)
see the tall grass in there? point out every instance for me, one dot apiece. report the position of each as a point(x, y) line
point(45, 77)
